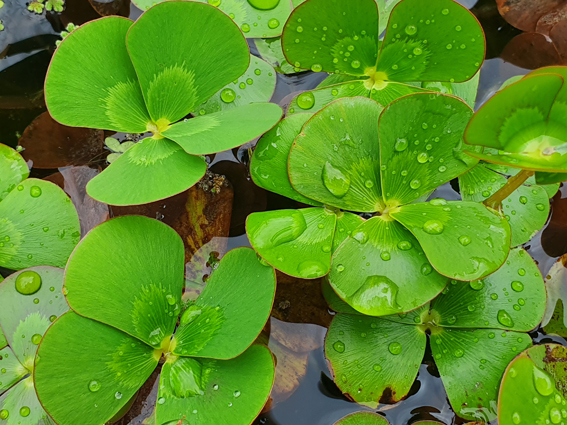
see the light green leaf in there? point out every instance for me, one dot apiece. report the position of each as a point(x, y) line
point(12, 370)
point(343, 33)
point(149, 171)
point(388, 91)
point(106, 370)
point(421, 140)
point(476, 239)
point(362, 350)
point(315, 100)
point(26, 315)
point(270, 50)
point(38, 226)
point(512, 298)
point(221, 131)
point(232, 309)
point(526, 209)
point(99, 89)
point(438, 40)
point(216, 391)
point(13, 170)
point(363, 418)
point(346, 223)
point(296, 242)
point(22, 399)
point(136, 287)
point(174, 74)
point(533, 388)
point(335, 159)
point(382, 270)
point(556, 286)
point(471, 364)
point(268, 166)
point(466, 91)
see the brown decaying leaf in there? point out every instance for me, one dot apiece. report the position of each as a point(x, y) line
point(52, 145)
point(197, 215)
point(113, 7)
point(554, 237)
point(530, 50)
point(526, 14)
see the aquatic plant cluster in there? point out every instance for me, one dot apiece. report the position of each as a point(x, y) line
point(86, 322)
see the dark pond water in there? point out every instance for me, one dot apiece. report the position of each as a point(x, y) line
point(26, 46)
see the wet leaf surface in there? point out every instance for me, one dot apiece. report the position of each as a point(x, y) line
point(52, 145)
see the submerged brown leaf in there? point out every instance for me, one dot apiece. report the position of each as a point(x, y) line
point(526, 14)
point(554, 237)
point(531, 50)
point(111, 7)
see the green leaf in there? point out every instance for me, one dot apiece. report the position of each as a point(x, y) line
point(421, 138)
point(100, 366)
point(13, 170)
point(257, 84)
point(343, 33)
point(471, 364)
point(335, 159)
point(512, 298)
point(149, 171)
point(363, 418)
point(232, 309)
point(22, 399)
point(533, 388)
point(138, 288)
point(556, 286)
point(555, 325)
point(335, 302)
point(385, 8)
point(388, 91)
point(102, 84)
point(174, 74)
point(550, 178)
point(346, 223)
point(12, 370)
point(467, 91)
point(296, 242)
point(221, 131)
point(268, 166)
point(3, 341)
point(38, 226)
point(216, 391)
point(523, 122)
point(362, 351)
point(448, 46)
point(315, 100)
point(26, 315)
point(270, 50)
point(381, 270)
point(526, 209)
point(476, 239)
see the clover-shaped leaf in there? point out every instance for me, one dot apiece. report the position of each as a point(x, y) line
point(524, 123)
point(533, 389)
point(526, 209)
point(147, 82)
point(125, 311)
point(363, 418)
point(31, 300)
point(437, 41)
point(474, 336)
point(39, 225)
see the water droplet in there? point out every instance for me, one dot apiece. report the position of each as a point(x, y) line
point(401, 145)
point(339, 347)
point(555, 415)
point(273, 23)
point(236, 394)
point(417, 51)
point(404, 245)
point(35, 191)
point(315, 68)
point(415, 184)
point(355, 64)
point(458, 28)
point(426, 269)
point(517, 286)
point(395, 348)
point(523, 200)
point(118, 395)
point(161, 400)
point(335, 180)
point(494, 296)
point(385, 255)
point(516, 418)
point(94, 386)
point(449, 46)
point(189, 315)
point(36, 339)
point(170, 299)
point(299, 28)
point(422, 158)
point(377, 367)
point(263, 4)
point(311, 269)
point(377, 296)
point(504, 319)
point(445, 11)
point(433, 227)
point(477, 285)
point(459, 352)
point(4, 414)
point(306, 100)
point(465, 240)
point(411, 29)
point(245, 28)
point(543, 382)
point(228, 95)
point(522, 272)
point(340, 268)
point(28, 282)
point(540, 207)
point(491, 335)
point(25, 412)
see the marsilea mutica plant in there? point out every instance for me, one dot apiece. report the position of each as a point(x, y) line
point(138, 78)
point(355, 155)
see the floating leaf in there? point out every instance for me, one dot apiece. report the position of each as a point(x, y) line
point(556, 285)
point(363, 418)
point(13, 170)
point(270, 49)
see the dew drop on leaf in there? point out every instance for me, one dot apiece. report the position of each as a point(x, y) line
point(28, 282)
point(477, 285)
point(415, 184)
point(339, 347)
point(540, 207)
point(395, 348)
point(411, 29)
point(335, 180)
point(401, 145)
point(504, 319)
point(433, 227)
point(459, 352)
point(517, 286)
point(306, 100)
point(263, 4)
point(36, 339)
point(94, 386)
point(228, 95)
point(555, 415)
point(4, 414)
point(543, 382)
point(272, 24)
point(24, 411)
point(404, 245)
point(516, 418)
point(465, 240)
point(311, 269)
point(35, 191)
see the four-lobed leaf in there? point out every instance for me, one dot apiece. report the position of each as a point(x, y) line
point(125, 310)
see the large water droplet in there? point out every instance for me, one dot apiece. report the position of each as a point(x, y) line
point(228, 95)
point(395, 348)
point(504, 319)
point(543, 382)
point(465, 240)
point(4, 414)
point(264, 4)
point(433, 227)
point(35, 191)
point(311, 269)
point(339, 347)
point(415, 184)
point(306, 100)
point(36, 339)
point(28, 282)
point(477, 285)
point(555, 415)
point(517, 286)
point(516, 418)
point(377, 296)
point(401, 145)
point(459, 352)
point(25, 411)
point(411, 29)
point(189, 315)
point(273, 23)
point(336, 182)
point(94, 386)
point(404, 245)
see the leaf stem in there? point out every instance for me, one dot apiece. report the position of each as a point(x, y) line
point(513, 183)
